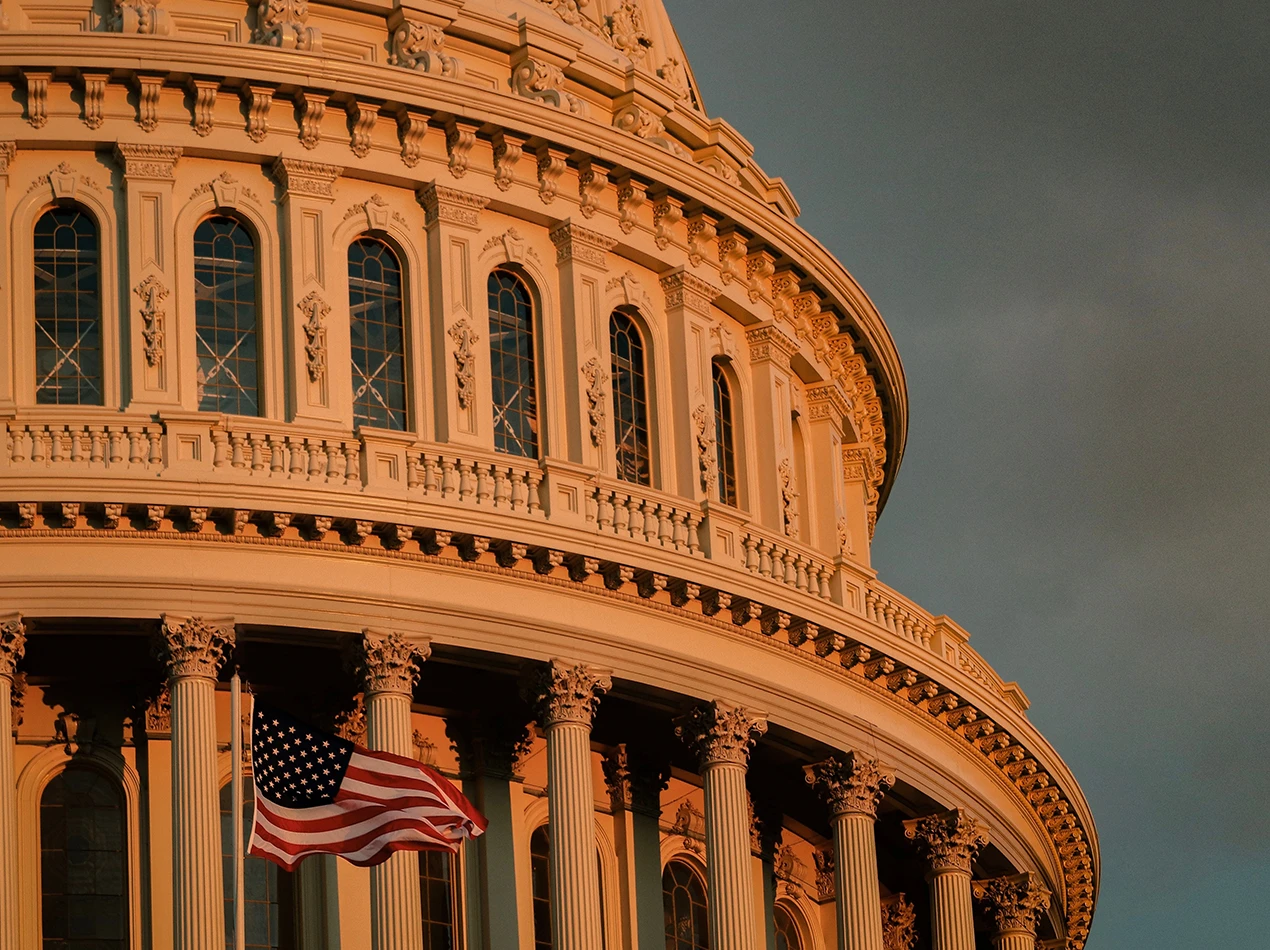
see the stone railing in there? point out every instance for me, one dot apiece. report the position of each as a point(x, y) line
point(286, 454)
point(489, 482)
point(61, 445)
point(631, 511)
point(894, 612)
point(787, 562)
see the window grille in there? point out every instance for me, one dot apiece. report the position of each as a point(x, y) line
point(377, 316)
point(68, 358)
point(630, 401)
point(684, 903)
point(225, 318)
point(511, 355)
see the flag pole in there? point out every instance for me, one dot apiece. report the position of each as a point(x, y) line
point(236, 809)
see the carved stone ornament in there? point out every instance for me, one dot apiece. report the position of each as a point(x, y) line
point(575, 243)
point(464, 338)
point(194, 646)
point(204, 93)
point(562, 693)
point(508, 150)
point(459, 141)
point(675, 75)
point(284, 24)
point(597, 381)
point(625, 30)
point(153, 317)
point(17, 699)
point(690, 292)
point(143, 17)
point(949, 840)
point(258, 100)
point(350, 724)
point(825, 886)
point(37, 97)
point(311, 107)
point(362, 117)
point(412, 128)
point(450, 206)
point(388, 662)
point(646, 125)
point(74, 732)
point(852, 784)
point(513, 246)
point(158, 713)
point(315, 310)
point(720, 734)
point(789, 498)
point(421, 46)
point(94, 98)
point(1014, 902)
point(225, 190)
point(899, 923)
point(152, 162)
point(690, 824)
point(544, 82)
point(12, 643)
point(707, 458)
point(551, 167)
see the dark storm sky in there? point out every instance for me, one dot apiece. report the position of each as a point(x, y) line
point(1062, 211)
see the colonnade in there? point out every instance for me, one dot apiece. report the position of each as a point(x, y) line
point(565, 697)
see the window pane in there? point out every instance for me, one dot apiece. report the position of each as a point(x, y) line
point(787, 937)
point(67, 310)
point(724, 444)
point(377, 328)
point(684, 904)
point(511, 355)
point(225, 308)
point(267, 904)
point(84, 900)
point(540, 876)
point(630, 401)
point(436, 882)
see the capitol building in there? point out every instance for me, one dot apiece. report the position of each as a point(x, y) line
point(445, 370)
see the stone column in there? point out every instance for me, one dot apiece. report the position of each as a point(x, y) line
point(193, 648)
point(852, 786)
point(12, 646)
point(388, 664)
point(566, 698)
point(635, 783)
point(722, 737)
point(949, 842)
point(1014, 903)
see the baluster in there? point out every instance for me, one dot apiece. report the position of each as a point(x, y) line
point(824, 575)
point(352, 463)
point(467, 484)
point(155, 435)
point(431, 474)
point(317, 455)
point(635, 523)
point(679, 529)
point(412, 469)
point(888, 616)
point(449, 478)
point(97, 444)
point(220, 448)
point(236, 442)
point(55, 446)
point(765, 557)
point(116, 444)
point(750, 544)
point(649, 509)
point(664, 533)
point(870, 605)
point(18, 445)
point(135, 453)
point(621, 515)
point(38, 454)
point(484, 483)
point(603, 508)
point(800, 573)
point(694, 532)
point(77, 443)
point(522, 496)
point(295, 456)
point(791, 574)
point(277, 456)
point(534, 477)
point(502, 486)
point(334, 455)
point(257, 443)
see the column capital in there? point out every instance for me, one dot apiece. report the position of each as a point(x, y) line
point(769, 344)
point(635, 781)
point(560, 692)
point(387, 662)
point(687, 290)
point(194, 646)
point(576, 243)
point(899, 923)
point(491, 744)
point(450, 206)
point(1014, 901)
point(949, 840)
point(720, 734)
point(850, 784)
point(147, 162)
point(306, 179)
point(12, 643)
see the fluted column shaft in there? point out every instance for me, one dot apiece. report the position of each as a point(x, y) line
point(12, 646)
point(388, 664)
point(566, 697)
point(1016, 940)
point(194, 649)
point(949, 841)
point(722, 736)
point(952, 918)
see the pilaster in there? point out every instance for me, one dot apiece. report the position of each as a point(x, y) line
point(8, 352)
point(949, 841)
point(772, 408)
point(152, 355)
point(1014, 903)
point(826, 526)
point(316, 330)
point(688, 299)
point(12, 648)
point(635, 783)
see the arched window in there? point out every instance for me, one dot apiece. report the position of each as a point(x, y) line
point(268, 892)
point(436, 893)
point(225, 318)
point(67, 309)
point(630, 400)
point(799, 526)
point(724, 439)
point(684, 902)
point(511, 358)
point(83, 880)
point(787, 936)
point(378, 327)
point(540, 876)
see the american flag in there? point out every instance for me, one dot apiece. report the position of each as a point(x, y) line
point(319, 794)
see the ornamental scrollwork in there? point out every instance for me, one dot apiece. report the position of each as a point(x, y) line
point(852, 784)
point(707, 457)
point(388, 662)
point(153, 316)
point(194, 646)
point(899, 923)
point(315, 310)
point(597, 381)
point(720, 734)
point(544, 82)
point(421, 46)
point(789, 498)
point(12, 644)
point(284, 24)
point(143, 17)
point(1015, 902)
point(625, 30)
point(949, 840)
point(562, 693)
point(464, 338)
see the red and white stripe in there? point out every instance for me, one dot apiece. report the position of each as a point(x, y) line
point(385, 803)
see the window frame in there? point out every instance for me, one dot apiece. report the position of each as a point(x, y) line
point(533, 298)
point(262, 367)
point(700, 879)
point(410, 409)
point(643, 335)
point(721, 372)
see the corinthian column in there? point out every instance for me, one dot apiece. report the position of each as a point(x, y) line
point(12, 646)
point(193, 648)
point(949, 841)
point(566, 698)
point(852, 787)
point(722, 737)
point(1014, 902)
point(389, 667)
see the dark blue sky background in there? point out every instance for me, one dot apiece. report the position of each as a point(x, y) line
point(1062, 211)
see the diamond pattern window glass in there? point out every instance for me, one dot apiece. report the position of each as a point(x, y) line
point(630, 400)
point(511, 356)
point(724, 439)
point(377, 317)
point(684, 903)
point(268, 894)
point(83, 882)
point(436, 892)
point(225, 318)
point(67, 309)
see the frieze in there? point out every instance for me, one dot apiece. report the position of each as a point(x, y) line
point(449, 206)
point(147, 162)
point(574, 243)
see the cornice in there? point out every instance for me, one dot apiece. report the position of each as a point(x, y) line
point(916, 685)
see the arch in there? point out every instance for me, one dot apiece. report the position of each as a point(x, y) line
point(725, 434)
point(606, 865)
point(801, 911)
point(686, 906)
point(632, 422)
point(377, 334)
point(35, 777)
point(227, 316)
point(66, 189)
point(513, 359)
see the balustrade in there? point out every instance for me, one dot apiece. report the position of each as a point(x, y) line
point(787, 563)
point(892, 612)
point(490, 483)
point(628, 512)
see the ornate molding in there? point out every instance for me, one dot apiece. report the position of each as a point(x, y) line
point(789, 497)
point(94, 98)
point(597, 381)
point(544, 82)
point(575, 243)
point(643, 124)
point(720, 734)
point(225, 189)
point(513, 245)
point(690, 825)
point(315, 310)
point(388, 662)
point(158, 713)
point(625, 29)
point(826, 887)
point(899, 923)
point(37, 97)
point(284, 24)
point(1015, 902)
point(362, 117)
point(141, 16)
point(258, 100)
point(562, 693)
point(204, 92)
point(194, 646)
point(633, 292)
point(686, 290)
point(592, 180)
point(306, 179)
point(675, 75)
point(152, 293)
point(508, 150)
point(450, 206)
point(707, 458)
point(850, 784)
point(460, 138)
point(551, 167)
point(464, 338)
point(421, 47)
point(12, 643)
point(949, 840)
point(147, 162)
point(312, 109)
point(768, 343)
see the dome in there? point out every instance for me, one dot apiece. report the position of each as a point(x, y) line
point(445, 376)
